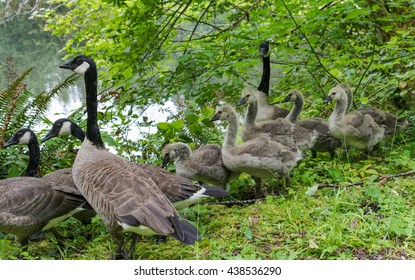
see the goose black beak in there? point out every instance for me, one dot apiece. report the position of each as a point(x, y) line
point(48, 136)
point(66, 66)
point(11, 142)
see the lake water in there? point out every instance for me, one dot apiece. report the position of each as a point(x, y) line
point(29, 45)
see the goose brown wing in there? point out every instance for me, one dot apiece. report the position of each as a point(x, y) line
point(61, 177)
point(175, 188)
point(31, 201)
point(123, 193)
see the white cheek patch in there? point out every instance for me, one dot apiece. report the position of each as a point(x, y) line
point(24, 140)
point(81, 69)
point(65, 129)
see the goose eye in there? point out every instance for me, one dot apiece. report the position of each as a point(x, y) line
point(78, 61)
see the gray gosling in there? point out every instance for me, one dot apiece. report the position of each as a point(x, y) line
point(325, 141)
point(393, 124)
point(203, 164)
point(259, 157)
point(280, 130)
point(355, 129)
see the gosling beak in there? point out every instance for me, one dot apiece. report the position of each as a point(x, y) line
point(214, 118)
point(286, 99)
point(328, 99)
point(166, 161)
point(241, 101)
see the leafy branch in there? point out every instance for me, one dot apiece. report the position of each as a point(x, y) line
point(308, 41)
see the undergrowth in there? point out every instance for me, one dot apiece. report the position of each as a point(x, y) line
point(372, 220)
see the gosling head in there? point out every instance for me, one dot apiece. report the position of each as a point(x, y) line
point(248, 96)
point(223, 113)
point(335, 93)
point(292, 96)
point(174, 150)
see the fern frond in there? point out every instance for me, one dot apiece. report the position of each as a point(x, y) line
point(8, 102)
point(35, 109)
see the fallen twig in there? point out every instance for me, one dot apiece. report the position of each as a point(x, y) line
point(235, 202)
point(383, 179)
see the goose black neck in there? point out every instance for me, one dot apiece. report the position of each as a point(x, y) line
point(266, 74)
point(77, 131)
point(92, 130)
point(34, 160)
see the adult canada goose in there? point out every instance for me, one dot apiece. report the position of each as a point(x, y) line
point(180, 191)
point(325, 141)
point(260, 157)
point(393, 124)
point(280, 130)
point(26, 136)
point(203, 164)
point(29, 205)
point(119, 191)
point(267, 111)
point(355, 128)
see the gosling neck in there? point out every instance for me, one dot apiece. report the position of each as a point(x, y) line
point(296, 109)
point(231, 132)
point(250, 116)
point(340, 109)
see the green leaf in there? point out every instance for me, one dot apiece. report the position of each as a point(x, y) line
point(128, 73)
point(163, 125)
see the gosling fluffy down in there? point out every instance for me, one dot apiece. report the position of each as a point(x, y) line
point(259, 157)
point(356, 129)
point(203, 164)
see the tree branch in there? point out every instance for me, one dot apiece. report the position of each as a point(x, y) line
point(238, 21)
point(382, 179)
point(308, 42)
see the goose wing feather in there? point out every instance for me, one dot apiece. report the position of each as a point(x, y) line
point(175, 188)
point(121, 192)
point(27, 204)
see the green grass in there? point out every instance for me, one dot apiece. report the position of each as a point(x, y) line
point(374, 220)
